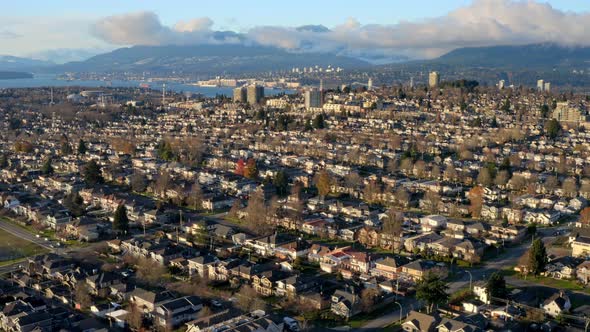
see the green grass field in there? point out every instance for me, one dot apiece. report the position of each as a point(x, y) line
point(13, 248)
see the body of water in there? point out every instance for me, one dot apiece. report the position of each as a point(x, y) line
point(51, 81)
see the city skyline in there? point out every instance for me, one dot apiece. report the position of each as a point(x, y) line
point(63, 31)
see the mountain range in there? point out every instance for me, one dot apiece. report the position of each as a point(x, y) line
point(13, 63)
point(207, 59)
point(536, 56)
point(235, 59)
point(519, 65)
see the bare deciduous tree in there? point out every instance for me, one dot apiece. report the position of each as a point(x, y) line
point(484, 177)
point(248, 300)
point(402, 197)
point(570, 187)
point(502, 178)
point(82, 294)
point(476, 199)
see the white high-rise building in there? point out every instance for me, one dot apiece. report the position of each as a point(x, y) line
point(501, 84)
point(547, 87)
point(370, 84)
point(433, 79)
point(540, 85)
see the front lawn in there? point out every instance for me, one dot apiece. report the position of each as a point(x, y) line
point(13, 248)
point(556, 283)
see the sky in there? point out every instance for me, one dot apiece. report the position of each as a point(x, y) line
point(63, 30)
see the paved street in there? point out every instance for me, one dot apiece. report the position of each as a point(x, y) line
point(379, 323)
point(10, 268)
point(24, 234)
point(50, 245)
point(506, 259)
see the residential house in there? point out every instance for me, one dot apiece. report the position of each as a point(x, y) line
point(583, 272)
point(265, 282)
point(200, 265)
point(469, 251)
point(433, 222)
point(580, 242)
point(101, 283)
point(345, 303)
point(417, 269)
point(420, 242)
point(147, 301)
point(454, 325)
point(294, 285)
point(561, 268)
point(388, 267)
point(173, 313)
point(317, 251)
point(419, 322)
point(480, 290)
point(266, 245)
point(557, 304)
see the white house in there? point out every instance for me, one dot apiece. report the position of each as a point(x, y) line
point(558, 303)
point(432, 222)
point(481, 292)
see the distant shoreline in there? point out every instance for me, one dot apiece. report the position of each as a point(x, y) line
point(13, 75)
point(46, 81)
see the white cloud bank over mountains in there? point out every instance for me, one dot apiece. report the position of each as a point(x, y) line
point(483, 23)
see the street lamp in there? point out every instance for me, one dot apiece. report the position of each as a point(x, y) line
point(401, 310)
point(470, 279)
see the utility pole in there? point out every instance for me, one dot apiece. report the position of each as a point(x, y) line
point(180, 212)
point(401, 311)
point(470, 279)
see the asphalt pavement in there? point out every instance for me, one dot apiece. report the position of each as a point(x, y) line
point(506, 259)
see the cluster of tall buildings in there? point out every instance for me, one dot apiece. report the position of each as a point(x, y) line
point(543, 86)
point(218, 81)
point(316, 69)
point(251, 94)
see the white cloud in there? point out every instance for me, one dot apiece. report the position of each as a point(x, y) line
point(483, 23)
point(40, 33)
point(8, 34)
point(145, 28)
point(197, 24)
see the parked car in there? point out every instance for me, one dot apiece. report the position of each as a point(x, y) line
point(291, 324)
